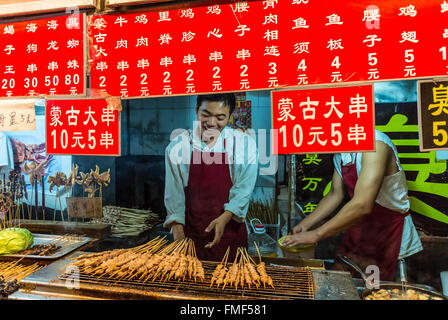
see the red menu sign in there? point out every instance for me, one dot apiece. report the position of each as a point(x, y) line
point(266, 45)
point(82, 127)
point(323, 120)
point(43, 57)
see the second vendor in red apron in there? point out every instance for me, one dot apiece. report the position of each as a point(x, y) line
point(211, 172)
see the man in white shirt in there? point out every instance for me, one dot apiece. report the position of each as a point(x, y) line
point(210, 176)
point(378, 229)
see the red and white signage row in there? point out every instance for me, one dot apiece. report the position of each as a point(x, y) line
point(239, 46)
point(266, 45)
point(43, 57)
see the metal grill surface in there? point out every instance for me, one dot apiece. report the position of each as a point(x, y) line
point(289, 283)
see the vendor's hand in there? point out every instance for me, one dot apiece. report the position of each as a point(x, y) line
point(301, 227)
point(219, 224)
point(306, 237)
point(178, 231)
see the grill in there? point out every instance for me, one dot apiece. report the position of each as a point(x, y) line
point(289, 283)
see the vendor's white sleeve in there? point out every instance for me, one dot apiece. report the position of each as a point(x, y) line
point(174, 191)
point(245, 177)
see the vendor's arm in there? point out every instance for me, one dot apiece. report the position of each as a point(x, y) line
point(174, 196)
point(326, 206)
point(366, 190)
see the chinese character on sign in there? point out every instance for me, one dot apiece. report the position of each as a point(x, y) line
point(165, 38)
point(72, 43)
point(90, 114)
point(300, 23)
point(374, 74)
point(300, 1)
point(31, 27)
point(100, 24)
point(311, 159)
point(214, 9)
point(77, 136)
point(358, 105)
point(285, 105)
point(217, 85)
point(8, 29)
point(269, 4)
point(410, 71)
point(371, 38)
point(243, 54)
point(371, 15)
point(143, 63)
point(445, 34)
point(215, 32)
point(31, 48)
point(166, 61)
point(335, 44)
point(309, 207)
point(55, 115)
point(336, 76)
point(120, 20)
point(271, 35)
point(187, 36)
point(108, 115)
point(273, 82)
point(31, 68)
point(142, 19)
point(187, 13)
point(164, 16)
point(408, 11)
point(214, 56)
point(244, 84)
point(308, 111)
point(440, 98)
point(332, 105)
point(142, 42)
point(72, 23)
point(334, 19)
point(72, 116)
point(302, 79)
point(100, 37)
point(106, 140)
point(52, 25)
point(102, 65)
point(53, 65)
point(72, 64)
point(241, 29)
point(122, 65)
point(52, 45)
point(189, 59)
point(316, 132)
point(9, 69)
point(122, 44)
point(271, 18)
point(301, 47)
point(272, 51)
point(410, 36)
point(240, 7)
point(9, 48)
point(312, 183)
point(356, 133)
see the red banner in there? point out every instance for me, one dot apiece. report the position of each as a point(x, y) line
point(43, 57)
point(266, 45)
point(82, 127)
point(323, 120)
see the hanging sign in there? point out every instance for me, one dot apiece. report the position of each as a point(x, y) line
point(433, 115)
point(83, 127)
point(323, 120)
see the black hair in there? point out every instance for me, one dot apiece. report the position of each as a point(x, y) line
point(229, 99)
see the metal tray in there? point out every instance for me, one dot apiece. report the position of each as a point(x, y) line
point(68, 246)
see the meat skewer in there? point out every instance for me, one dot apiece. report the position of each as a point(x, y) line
point(221, 266)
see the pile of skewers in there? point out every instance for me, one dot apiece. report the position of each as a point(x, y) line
point(265, 212)
point(10, 275)
point(149, 262)
point(128, 222)
point(50, 248)
point(243, 271)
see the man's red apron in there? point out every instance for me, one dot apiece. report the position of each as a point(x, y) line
point(205, 195)
point(376, 239)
